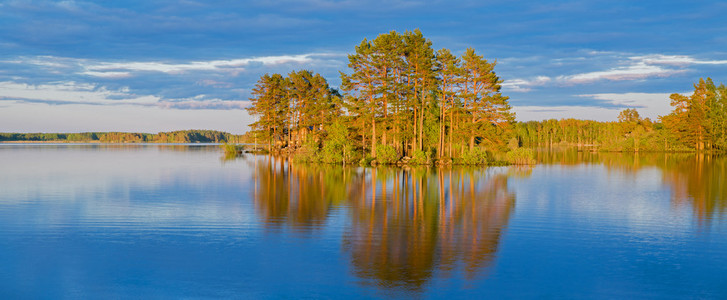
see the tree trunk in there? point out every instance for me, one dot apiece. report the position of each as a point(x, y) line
point(421, 127)
point(373, 137)
point(472, 135)
point(451, 131)
point(414, 138)
point(440, 145)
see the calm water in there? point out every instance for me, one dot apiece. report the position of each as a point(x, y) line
point(180, 221)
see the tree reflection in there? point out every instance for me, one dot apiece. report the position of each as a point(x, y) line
point(405, 225)
point(299, 196)
point(699, 180)
point(417, 222)
point(696, 180)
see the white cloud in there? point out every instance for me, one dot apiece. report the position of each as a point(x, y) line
point(677, 60)
point(639, 70)
point(107, 69)
point(38, 117)
point(631, 68)
point(201, 102)
point(109, 74)
point(649, 105)
point(523, 85)
point(90, 94)
point(538, 113)
point(71, 92)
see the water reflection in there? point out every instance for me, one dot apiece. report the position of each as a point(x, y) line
point(406, 225)
point(696, 180)
point(118, 222)
point(699, 180)
point(297, 196)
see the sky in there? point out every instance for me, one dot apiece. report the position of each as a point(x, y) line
point(150, 66)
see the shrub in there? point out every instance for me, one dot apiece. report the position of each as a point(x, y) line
point(365, 161)
point(350, 154)
point(419, 158)
point(521, 156)
point(331, 153)
point(232, 149)
point(513, 144)
point(476, 156)
point(386, 154)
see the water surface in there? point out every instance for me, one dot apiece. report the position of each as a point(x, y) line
point(110, 221)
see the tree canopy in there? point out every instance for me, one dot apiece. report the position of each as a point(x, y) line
point(399, 93)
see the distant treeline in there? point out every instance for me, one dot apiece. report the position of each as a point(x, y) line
point(697, 123)
point(181, 136)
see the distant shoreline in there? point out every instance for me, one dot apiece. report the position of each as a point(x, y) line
point(106, 143)
point(57, 142)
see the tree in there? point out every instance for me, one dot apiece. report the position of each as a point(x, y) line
point(487, 110)
point(363, 89)
point(421, 79)
point(689, 121)
point(270, 103)
point(449, 74)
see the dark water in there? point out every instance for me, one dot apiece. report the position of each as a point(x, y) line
point(106, 222)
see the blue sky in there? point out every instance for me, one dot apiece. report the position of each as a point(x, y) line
point(69, 66)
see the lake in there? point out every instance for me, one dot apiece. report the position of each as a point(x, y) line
point(181, 221)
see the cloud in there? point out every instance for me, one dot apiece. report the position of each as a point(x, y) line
point(35, 117)
point(191, 84)
point(629, 67)
point(523, 85)
point(649, 105)
point(538, 113)
point(67, 93)
point(640, 70)
point(108, 74)
point(230, 66)
point(71, 92)
point(676, 60)
point(121, 69)
point(205, 104)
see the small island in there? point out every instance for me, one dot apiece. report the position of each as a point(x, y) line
point(405, 103)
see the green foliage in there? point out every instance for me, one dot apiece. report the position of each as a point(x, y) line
point(231, 149)
point(420, 157)
point(366, 161)
point(513, 144)
point(699, 121)
point(477, 156)
point(310, 152)
point(386, 154)
point(332, 153)
point(521, 156)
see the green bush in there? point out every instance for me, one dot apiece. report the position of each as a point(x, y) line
point(331, 154)
point(307, 157)
point(521, 156)
point(419, 158)
point(231, 149)
point(513, 144)
point(386, 154)
point(476, 156)
point(350, 154)
point(365, 161)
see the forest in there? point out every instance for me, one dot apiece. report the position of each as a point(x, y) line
point(181, 136)
point(697, 123)
point(402, 101)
